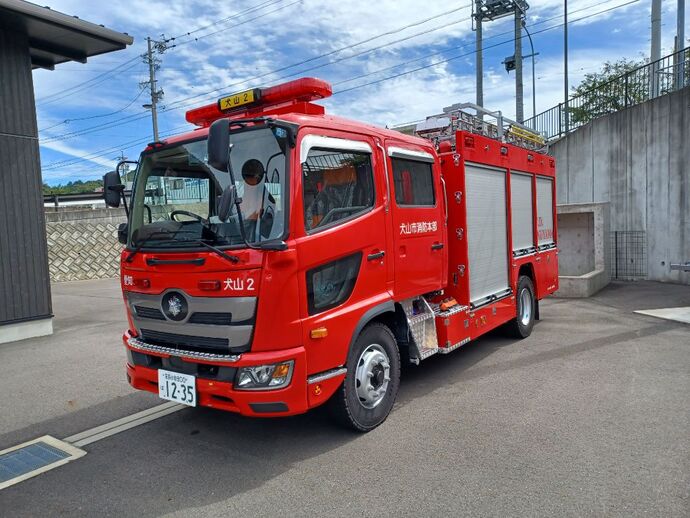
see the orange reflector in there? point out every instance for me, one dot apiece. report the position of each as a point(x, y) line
point(317, 390)
point(209, 285)
point(319, 332)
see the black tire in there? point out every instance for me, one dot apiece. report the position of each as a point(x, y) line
point(346, 405)
point(521, 326)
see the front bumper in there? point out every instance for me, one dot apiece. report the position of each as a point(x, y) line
point(215, 378)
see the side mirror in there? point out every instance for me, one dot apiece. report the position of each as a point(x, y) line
point(219, 144)
point(227, 200)
point(112, 189)
point(122, 229)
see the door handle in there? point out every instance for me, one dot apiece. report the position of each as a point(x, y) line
point(377, 255)
point(437, 246)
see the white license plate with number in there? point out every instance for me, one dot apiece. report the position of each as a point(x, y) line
point(177, 387)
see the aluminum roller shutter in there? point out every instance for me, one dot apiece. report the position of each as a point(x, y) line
point(521, 210)
point(545, 210)
point(487, 236)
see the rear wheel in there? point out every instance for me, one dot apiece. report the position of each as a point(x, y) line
point(368, 392)
point(521, 326)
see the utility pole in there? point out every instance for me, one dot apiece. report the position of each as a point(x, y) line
point(519, 105)
point(154, 47)
point(680, 44)
point(480, 57)
point(655, 51)
point(565, 64)
point(125, 168)
point(534, 83)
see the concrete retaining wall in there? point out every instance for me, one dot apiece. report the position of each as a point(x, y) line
point(583, 249)
point(82, 244)
point(639, 161)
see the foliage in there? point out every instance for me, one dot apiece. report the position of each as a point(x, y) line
point(77, 186)
point(614, 87)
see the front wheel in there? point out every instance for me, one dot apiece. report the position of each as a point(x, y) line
point(368, 392)
point(521, 326)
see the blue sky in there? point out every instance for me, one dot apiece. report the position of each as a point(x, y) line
point(241, 44)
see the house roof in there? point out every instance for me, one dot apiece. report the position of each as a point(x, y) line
point(55, 37)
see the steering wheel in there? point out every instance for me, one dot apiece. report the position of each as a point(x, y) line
point(187, 213)
point(337, 211)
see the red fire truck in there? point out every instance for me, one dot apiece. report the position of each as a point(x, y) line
point(278, 258)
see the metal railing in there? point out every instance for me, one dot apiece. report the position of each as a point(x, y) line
point(641, 84)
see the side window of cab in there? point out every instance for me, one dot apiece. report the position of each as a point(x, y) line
point(338, 185)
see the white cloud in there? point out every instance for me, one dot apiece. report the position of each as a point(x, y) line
point(249, 55)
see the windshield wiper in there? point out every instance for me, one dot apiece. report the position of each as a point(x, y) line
point(148, 238)
point(224, 255)
point(201, 241)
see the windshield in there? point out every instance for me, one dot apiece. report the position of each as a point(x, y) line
point(176, 193)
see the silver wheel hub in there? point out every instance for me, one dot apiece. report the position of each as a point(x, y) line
point(372, 376)
point(525, 307)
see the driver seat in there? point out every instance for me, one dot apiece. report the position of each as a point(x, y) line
point(338, 191)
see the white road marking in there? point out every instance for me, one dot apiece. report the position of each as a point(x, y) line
point(120, 425)
point(676, 314)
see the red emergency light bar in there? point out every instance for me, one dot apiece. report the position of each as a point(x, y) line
point(257, 100)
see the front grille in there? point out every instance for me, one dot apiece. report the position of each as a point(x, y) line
point(185, 342)
point(153, 313)
point(214, 319)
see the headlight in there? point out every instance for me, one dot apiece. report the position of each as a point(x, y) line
point(264, 377)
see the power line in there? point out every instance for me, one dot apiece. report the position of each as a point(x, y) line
point(181, 102)
point(235, 25)
point(223, 20)
point(74, 119)
point(395, 76)
point(448, 59)
point(106, 151)
point(86, 84)
point(330, 53)
point(426, 56)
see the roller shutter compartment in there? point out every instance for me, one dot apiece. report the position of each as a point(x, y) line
point(521, 211)
point(486, 232)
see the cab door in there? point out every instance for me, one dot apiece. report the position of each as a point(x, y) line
point(418, 216)
point(341, 240)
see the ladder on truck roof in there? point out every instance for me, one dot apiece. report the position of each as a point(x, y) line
point(442, 127)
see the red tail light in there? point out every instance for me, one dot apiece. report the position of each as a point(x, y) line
point(209, 285)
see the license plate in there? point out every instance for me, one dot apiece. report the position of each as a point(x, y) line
point(236, 100)
point(177, 387)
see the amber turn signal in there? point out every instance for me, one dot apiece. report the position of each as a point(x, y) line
point(319, 332)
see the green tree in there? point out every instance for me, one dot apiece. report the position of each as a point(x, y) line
point(611, 89)
point(78, 186)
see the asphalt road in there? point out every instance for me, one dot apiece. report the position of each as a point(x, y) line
point(588, 416)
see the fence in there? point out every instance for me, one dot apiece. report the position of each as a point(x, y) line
point(628, 254)
point(641, 84)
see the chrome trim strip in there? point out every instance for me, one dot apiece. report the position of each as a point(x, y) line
point(400, 152)
point(485, 301)
point(446, 350)
point(323, 376)
point(339, 144)
point(139, 345)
